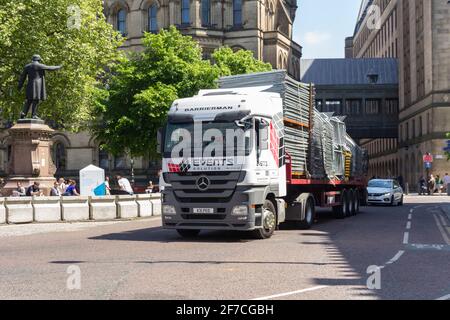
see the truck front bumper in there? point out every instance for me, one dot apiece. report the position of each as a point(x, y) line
point(215, 215)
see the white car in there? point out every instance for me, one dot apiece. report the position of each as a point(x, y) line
point(387, 192)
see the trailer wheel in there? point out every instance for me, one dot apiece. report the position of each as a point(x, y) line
point(269, 220)
point(188, 233)
point(310, 213)
point(341, 211)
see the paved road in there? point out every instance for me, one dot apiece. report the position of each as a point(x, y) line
point(139, 260)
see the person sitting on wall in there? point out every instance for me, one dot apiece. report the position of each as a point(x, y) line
point(62, 185)
point(124, 185)
point(54, 192)
point(34, 190)
point(20, 191)
point(71, 190)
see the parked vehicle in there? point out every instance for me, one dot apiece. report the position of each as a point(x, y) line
point(384, 191)
point(289, 159)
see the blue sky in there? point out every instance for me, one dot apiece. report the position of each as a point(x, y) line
point(322, 25)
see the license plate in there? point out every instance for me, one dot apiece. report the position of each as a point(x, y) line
point(203, 210)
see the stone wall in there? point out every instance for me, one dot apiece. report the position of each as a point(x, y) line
point(70, 209)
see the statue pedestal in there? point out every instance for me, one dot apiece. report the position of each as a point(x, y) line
point(31, 159)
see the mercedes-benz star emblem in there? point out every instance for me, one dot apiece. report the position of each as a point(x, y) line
point(203, 183)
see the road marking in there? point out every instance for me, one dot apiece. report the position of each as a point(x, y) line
point(441, 230)
point(412, 210)
point(291, 293)
point(408, 225)
point(428, 247)
point(406, 238)
point(410, 216)
point(396, 257)
point(447, 297)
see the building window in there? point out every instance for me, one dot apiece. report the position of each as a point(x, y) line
point(319, 105)
point(391, 106)
point(103, 159)
point(152, 18)
point(59, 156)
point(334, 106)
point(122, 21)
point(206, 13)
point(353, 106)
point(372, 106)
point(120, 162)
point(237, 13)
point(185, 12)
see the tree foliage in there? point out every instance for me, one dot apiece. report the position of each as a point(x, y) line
point(240, 62)
point(142, 88)
point(72, 33)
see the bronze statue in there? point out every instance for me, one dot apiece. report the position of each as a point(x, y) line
point(36, 91)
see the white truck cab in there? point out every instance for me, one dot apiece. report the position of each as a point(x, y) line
point(224, 162)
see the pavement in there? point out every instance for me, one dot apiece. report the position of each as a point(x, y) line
point(383, 253)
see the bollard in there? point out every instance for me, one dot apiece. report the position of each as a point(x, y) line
point(407, 188)
point(448, 189)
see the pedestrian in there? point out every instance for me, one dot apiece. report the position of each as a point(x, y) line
point(150, 187)
point(422, 186)
point(439, 184)
point(54, 192)
point(124, 185)
point(400, 181)
point(20, 191)
point(431, 185)
point(62, 186)
point(34, 190)
point(107, 186)
point(446, 181)
point(71, 190)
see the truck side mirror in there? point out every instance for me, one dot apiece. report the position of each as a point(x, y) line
point(263, 135)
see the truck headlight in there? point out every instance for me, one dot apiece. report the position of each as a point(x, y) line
point(169, 210)
point(239, 211)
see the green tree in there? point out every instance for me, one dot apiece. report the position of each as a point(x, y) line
point(142, 89)
point(73, 33)
point(240, 62)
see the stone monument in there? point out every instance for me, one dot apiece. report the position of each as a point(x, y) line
point(31, 142)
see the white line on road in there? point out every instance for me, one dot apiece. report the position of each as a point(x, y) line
point(441, 230)
point(396, 257)
point(412, 210)
point(410, 216)
point(408, 225)
point(406, 238)
point(291, 293)
point(447, 297)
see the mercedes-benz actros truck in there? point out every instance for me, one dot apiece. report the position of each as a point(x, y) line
point(243, 158)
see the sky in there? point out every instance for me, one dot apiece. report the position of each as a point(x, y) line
point(321, 26)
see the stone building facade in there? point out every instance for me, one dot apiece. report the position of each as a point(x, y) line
point(417, 33)
point(264, 27)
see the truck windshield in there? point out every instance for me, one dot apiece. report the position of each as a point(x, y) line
point(212, 139)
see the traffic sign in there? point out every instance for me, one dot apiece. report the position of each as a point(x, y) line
point(428, 158)
point(428, 165)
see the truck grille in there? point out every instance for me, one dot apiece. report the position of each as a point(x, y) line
point(222, 186)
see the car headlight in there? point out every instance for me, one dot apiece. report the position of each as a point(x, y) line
point(169, 210)
point(239, 211)
point(388, 194)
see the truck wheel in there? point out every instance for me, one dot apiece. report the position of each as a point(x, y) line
point(340, 212)
point(354, 206)
point(269, 220)
point(358, 202)
point(188, 233)
point(310, 213)
point(349, 202)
